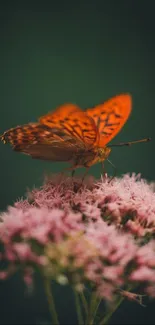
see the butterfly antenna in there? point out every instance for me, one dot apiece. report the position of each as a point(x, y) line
point(115, 169)
point(129, 143)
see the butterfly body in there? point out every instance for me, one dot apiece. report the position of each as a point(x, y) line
point(91, 157)
point(70, 134)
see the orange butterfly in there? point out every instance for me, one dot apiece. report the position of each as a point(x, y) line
point(70, 134)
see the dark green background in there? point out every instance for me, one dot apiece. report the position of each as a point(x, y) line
point(82, 52)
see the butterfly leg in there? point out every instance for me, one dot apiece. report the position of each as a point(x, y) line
point(68, 169)
point(71, 168)
point(85, 174)
point(73, 173)
point(104, 171)
point(115, 169)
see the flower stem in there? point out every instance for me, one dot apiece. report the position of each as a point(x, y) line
point(107, 317)
point(50, 299)
point(96, 309)
point(84, 302)
point(78, 308)
point(92, 309)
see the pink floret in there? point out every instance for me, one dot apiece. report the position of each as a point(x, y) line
point(98, 232)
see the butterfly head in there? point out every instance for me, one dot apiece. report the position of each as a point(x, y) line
point(103, 153)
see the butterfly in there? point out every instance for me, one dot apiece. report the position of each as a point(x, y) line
point(71, 134)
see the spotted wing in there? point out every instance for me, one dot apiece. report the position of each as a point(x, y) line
point(72, 121)
point(110, 117)
point(40, 142)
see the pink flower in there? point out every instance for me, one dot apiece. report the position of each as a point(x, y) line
point(3, 275)
point(128, 202)
point(28, 276)
point(143, 273)
point(93, 232)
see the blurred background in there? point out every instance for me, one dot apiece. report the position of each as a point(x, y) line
point(82, 52)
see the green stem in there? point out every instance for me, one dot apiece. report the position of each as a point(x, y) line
point(50, 299)
point(92, 309)
point(84, 302)
point(78, 308)
point(106, 318)
point(96, 309)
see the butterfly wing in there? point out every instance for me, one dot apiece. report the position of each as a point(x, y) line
point(40, 142)
point(73, 122)
point(64, 110)
point(60, 115)
point(110, 117)
point(69, 132)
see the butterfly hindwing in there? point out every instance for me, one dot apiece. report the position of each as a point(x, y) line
point(40, 142)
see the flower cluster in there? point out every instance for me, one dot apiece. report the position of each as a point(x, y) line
point(95, 232)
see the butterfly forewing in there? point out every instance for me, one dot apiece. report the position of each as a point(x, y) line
point(74, 122)
point(110, 117)
point(61, 113)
